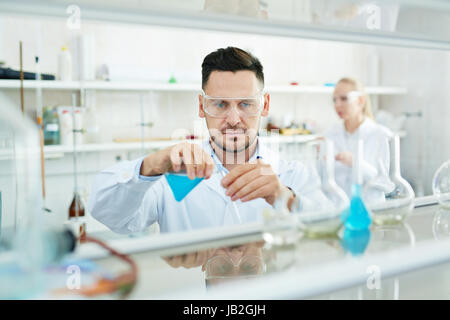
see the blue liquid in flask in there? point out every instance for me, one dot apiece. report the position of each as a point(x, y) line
point(357, 217)
point(355, 241)
point(181, 185)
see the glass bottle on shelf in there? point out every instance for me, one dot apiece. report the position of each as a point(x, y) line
point(51, 126)
point(76, 221)
point(76, 208)
point(388, 195)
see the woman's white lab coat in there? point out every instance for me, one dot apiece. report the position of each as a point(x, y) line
point(127, 202)
point(375, 150)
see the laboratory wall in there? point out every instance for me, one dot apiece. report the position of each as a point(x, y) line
point(163, 53)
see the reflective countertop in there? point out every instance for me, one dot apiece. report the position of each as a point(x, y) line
point(390, 262)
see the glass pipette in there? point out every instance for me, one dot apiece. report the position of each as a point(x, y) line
point(223, 173)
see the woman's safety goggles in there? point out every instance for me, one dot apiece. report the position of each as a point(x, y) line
point(220, 107)
point(349, 97)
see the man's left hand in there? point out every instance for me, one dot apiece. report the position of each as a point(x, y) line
point(250, 181)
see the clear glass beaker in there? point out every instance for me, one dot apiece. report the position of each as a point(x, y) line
point(322, 216)
point(388, 195)
point(441, 185)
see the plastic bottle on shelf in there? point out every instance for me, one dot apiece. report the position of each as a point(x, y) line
point(91, 125)
point(66, 127)
point(64, 65)
point(78, 126)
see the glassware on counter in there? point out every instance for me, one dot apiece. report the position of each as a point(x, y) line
point(357, 217)
point(441, 224)
point(388, 195)
point(27, 245)
point(441, 185)
point(323, 217)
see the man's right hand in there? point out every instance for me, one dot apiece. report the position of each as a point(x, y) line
point(183, 156)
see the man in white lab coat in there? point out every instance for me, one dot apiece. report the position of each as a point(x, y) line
point(132, 195)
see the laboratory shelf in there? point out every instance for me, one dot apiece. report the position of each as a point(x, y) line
point(55, 150)
point(115, 146)
point(280, 22)
point(176, 87)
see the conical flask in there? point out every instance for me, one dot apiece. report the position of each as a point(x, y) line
point(322, 216)
point(388, 195)
point(181, 185)
point(76, 208)
point(357, 217)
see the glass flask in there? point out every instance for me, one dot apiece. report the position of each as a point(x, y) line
point(441, 224)
point(26, 243)
point(441, 185)
point(387, 194)
point(320, 213)
point(357, 217)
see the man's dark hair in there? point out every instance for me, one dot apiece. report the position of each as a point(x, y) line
point(231, 59)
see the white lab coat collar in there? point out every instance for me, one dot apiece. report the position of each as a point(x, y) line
point(363, 130)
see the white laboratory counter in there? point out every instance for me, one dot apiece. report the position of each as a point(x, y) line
point(405, 261)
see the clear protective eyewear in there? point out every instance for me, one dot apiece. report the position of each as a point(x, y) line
point(224, 267)
point(220, 107)
point(349, 97)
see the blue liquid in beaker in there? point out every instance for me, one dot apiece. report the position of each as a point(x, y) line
point(181, 185)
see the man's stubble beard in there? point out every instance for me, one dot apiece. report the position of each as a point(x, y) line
point(247, 144)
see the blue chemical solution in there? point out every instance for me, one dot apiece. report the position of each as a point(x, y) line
point(358, 217)
point(181, 185)
point(355, 241)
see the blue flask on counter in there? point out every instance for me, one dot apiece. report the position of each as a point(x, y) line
point(357, 217)
point(355, 241)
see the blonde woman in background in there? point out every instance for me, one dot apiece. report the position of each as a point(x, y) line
point(352, 105)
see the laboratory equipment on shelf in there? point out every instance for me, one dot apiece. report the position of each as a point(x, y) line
point(323, 217)
point(76, 218)
point(441, 185)
point(388, 195)
point(357, 217)
point(64, 65)
point(51, 126)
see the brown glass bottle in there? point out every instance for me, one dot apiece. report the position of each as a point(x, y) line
point(76, 207)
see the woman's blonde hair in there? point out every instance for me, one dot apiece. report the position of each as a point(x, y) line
point(357, 86)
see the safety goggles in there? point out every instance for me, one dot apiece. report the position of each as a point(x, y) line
point(349, 97)
point(220, 107)
point(223, 267)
